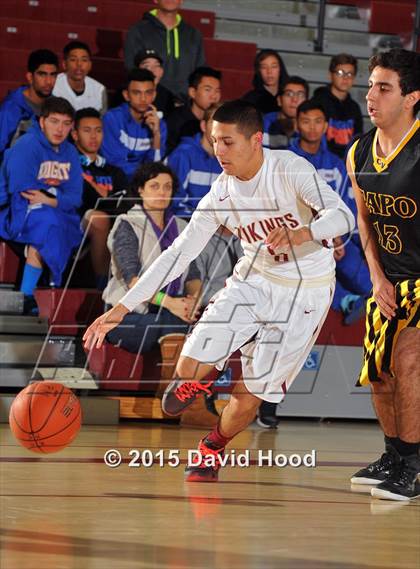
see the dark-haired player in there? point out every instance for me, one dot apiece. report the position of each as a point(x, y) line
point(273, 305)
point(384, 166)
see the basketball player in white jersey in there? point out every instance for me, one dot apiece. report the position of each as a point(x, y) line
point(273, 306)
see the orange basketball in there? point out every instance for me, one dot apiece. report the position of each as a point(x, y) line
point(45, 416)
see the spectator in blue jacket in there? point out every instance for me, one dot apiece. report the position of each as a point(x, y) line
point(135, 132)
point(40, 190)
point(21, 105)
point(353, 280)
point(196, 167)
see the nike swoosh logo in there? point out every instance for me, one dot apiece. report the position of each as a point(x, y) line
point(223, 199)
point(308, 311)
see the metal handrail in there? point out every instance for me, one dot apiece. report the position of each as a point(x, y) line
point(319, 42)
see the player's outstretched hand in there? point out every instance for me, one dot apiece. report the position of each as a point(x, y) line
point(384, 295)
point(95, 334)
point(283, 238)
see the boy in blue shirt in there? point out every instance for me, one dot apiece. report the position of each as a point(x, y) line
point(41, 189)
point(134, 132)
point(196, 166)
point(21, 105)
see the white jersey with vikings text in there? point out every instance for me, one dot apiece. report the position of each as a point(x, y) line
point(286, 191)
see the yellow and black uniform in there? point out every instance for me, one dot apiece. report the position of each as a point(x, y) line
point(391, 191)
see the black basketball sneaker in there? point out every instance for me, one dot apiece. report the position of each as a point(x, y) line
point(403, 484)
point(380, 470)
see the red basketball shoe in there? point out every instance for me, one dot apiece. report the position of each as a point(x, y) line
point(180, 394)
point(205, 468)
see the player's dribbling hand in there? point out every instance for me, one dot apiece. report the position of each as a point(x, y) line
point(283, 238)
point(384, 295)
point(95, 334)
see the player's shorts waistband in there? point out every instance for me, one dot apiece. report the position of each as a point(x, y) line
point(315, 282)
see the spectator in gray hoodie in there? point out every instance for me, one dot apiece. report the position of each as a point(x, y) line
point(178, 44)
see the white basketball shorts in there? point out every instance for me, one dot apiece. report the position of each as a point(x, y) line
point(274, 326)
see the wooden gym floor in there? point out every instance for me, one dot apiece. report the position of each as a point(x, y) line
point(70, 511)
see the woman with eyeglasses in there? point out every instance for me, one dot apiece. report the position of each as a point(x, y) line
point(346, 119)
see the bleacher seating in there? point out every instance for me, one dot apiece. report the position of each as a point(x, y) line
point(235, 83)
point(359, 3)
point(7, 86)
point(111, 71)
point(383, 16)
point(117, 369)
point(9, 264)
point(230, 54)
point(98, 13)
point(29, 34)
point(13, 64)
point(69, 311)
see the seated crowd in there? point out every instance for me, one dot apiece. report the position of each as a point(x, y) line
point(128, 177)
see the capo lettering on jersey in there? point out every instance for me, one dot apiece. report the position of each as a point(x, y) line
point(386, 205)
point(381, 163)
point(53, 170)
